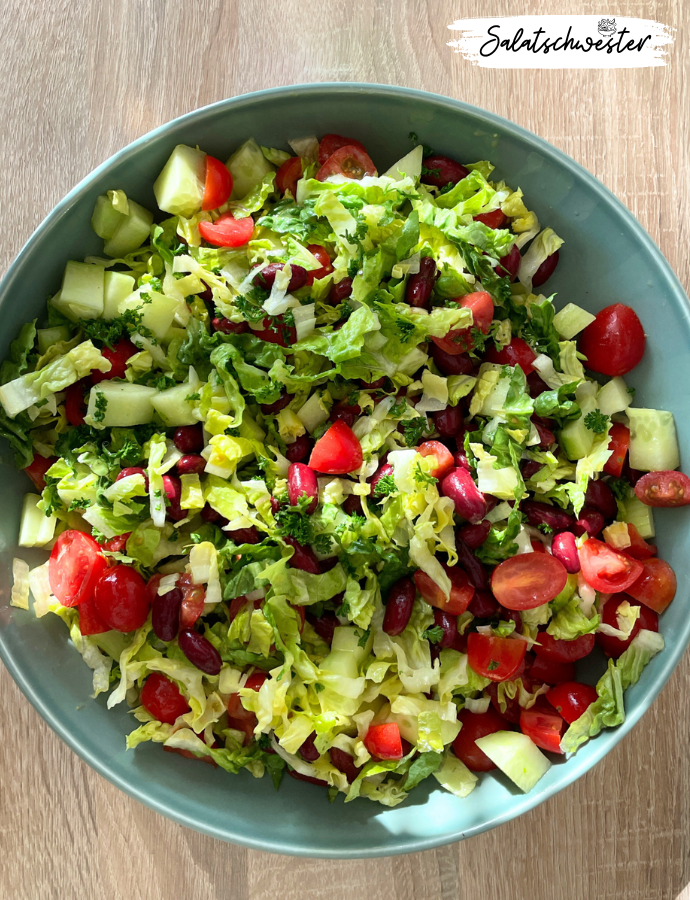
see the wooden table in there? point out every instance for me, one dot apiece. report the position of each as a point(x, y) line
point(82, 78)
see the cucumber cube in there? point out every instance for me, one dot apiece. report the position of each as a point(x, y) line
point(49, 336)
point(516, 756)
point(105, 218)
point(82, 289)
point(179, 188)
point(173, 407)
point(36, 529)
point(121, 405)
point(117, 286)
point(640, 515)
point(64, 308)
point(653, 440)
point(614, 397)
point(130, 233)
point(157, 310)
point(247, 166)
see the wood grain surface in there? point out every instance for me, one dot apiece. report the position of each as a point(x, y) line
point(82, 78)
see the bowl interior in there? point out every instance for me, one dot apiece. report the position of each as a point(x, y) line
point(607, 258)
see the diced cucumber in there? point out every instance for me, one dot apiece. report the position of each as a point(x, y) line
point(105, 218)
point(250, 430)
point(516, 756)
point(157, 310)
point(247, 166)
point(571, 320)
point(575, 438)
point(640, 515)
point(36, 529)
point(64, 308)
point(179, 188)
point(82, 289)
point(653, 440)
point(123, 405)
point(130, 233)
point(49, 336)
point(118, 285)
point(614, 397)
point(341, 662)
point(173, 407)
point(347, 638)
point(313, 413)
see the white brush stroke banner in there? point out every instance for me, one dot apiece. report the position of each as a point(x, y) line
point(562, 42)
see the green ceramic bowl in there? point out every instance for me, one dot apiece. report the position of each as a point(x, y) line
point(607, 257)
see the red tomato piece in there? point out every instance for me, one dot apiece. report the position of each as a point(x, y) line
point(459, 340)
point(607, 570)
point(476, 725)
point(227, 231)
point(544, 727)
point(38, 468)
point(75, 566)
point(350, 161)
point(89, 620)
point(329, 143)
point(664, 489)
point(496, 658)
point(613, 646)
point(571, 699)
point(495, 219)
point(557, 651)
point(337, 452)
point(218, 184)
point(75, 406)
point(235, 708)
point(639, 548)
point(461, 591)
point(384, 741)
point(614, 342)
point(162, 698)
point(192, 607)
point(548, 671)
point(656, 586)
point(528, 580)
point(517, 353)
point(275, 331)
point(326, 266)
point(117, 357)
point(444, 458)
point(619, 441)
point(122, 600)
point(117, 544)
point(288, 175)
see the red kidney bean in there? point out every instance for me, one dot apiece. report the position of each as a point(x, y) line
point(303, 558)
point(530, 468)
point(546, 436)
point(308, 751)
point(419, 286)
point(475, 570)
point(383, 470)
point(449, 364)
point(302, 483)
point(492, 501)
point(275, 505)
point(599, 496)
point(133, 470)
point(536, 385)
point(267, 276)
point(173, 491)
point(475, 535)
point(325, 565)
point(299, 449)
point(590, 521)
point(468, 499)
point(209, 514)
point(343, 761)
point(165, 616)
point(545, 270)
point(399, 606)
point(192, 464)
point(245, 535)
point(483, 605)
point(270, 409)
point(340, 291)
point(449, 624)
point(564, 549)
point(345, 413)
point(632, 475)
point(225, 326)
point(509, 264)
point(206, 295)
point(461, 462)
point(189, 438)
point(542, 514)
point(353, 505)
point(441, 170)
point(373, 385)
point(200, 652)
point(510, 615)
point(449, 421)
point(325, 625)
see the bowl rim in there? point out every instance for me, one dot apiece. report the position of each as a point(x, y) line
point(669, 659)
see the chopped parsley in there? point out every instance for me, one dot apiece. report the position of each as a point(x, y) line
point(385, 486)
point(597, 422)
point(413, 429)
point(423, 477)
point(101, 406)
point(433, 635)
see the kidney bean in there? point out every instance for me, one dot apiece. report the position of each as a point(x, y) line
point(302, 483)
point(270, 409)
point(475, 569)
point(530, 468)
point(343, 761)
point(449, 624)
point(209, 514)
point(632, 475)
point(475, 535)
point(483, 605)
point(268, 275)
point(345, 413)
point(225, 326)
point(461, 462)
point(133, 470)
point(441, 170)
point(353, 505)
point(509, 264)
point(546, 436)
point(381, 472)
point(373, 385)
point(542, 514)
point(468, 499)
point(590, 521)
point(564, 549)
point(165, 616)
point(510, 615)
point(449, 421)
point(399, 606)
point(419, 286)
point(303, 558)
point(245, 535)
point(340, 291)
point(513, 708)
point(200, 652)
point(325, 625)
point(192, 464)
point(448, 364)
point(308, 751)
point(299, 449)
point(325, 565)
point(173, 491)
point(599, 496)
point(545, 270)
point(189, 438)
point(536, 385)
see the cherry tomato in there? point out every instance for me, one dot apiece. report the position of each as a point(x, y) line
point(548, 671)
point(288, 175)
point(122, 599)
point(75, 566)
point(607, 570)
point(461, 590)
point(639, 548)
point(496, 658)
point(509, 265)
point(238, 603)
point(326, 266)
point(517, 353)
point(528, 580)
point(227, 231)
point(38, 468)
point(614, 342)
point(459, 340)
point(656, 586)
point(337, 452)
point(664, 489)
point(162, 698)
point(117, 544)
point(218, 184)
point(193, 598)
point(89, 620)
point(349, 161)
point(555, 650)
point(571, 699)
point(75, 406)
point(544, 727)
point(329, 143)
point(613, 646)
point(476, 725)
point(441, 170)
point(495, 219)
point(444, 458)
point(235, 708)
point(384, 741)
point(619, 441)
point(275, 331)
point(152, 587)
point(117, 357)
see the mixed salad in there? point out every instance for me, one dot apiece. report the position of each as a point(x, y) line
point(329, 486)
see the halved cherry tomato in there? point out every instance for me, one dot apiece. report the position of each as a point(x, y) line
point(384, 741)
point(218, 184)
point(326, 266)
point(89, 620)
point(459, 340)
point(275, 331)
point(496, 658)
point(558, 651)
point(639, 548)
point(517, 353)
point(329, 143)
point(75, 406)
point(122, 599)
point(461, 590)
point(544, 727)
point(664, 489)
point(192, 606)
point(571, 699)
point(656, 586)
point(237, 604)
point(495, 219)
point(288, 175)
point(117, 357)
point(350, 161)
point(537, 546)
point(117, 544)
point(38, 468)
point(444, 458)
point(647, 620)
point(337, 452)
point(235, 708)
point(619, 441)
point(75, 566)
point(476, 725)
point(607, 570)
point(614, 342)
point(548, 671)
point(528, 580)
point(162, 698)
point(152, 587)
point(227, 231)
